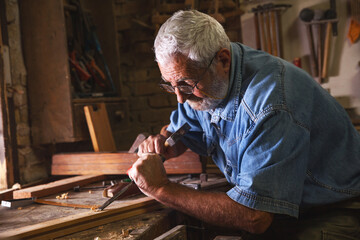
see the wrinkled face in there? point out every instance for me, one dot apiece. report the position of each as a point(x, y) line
point(210, 89)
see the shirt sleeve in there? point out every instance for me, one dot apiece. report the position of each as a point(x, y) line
point(273, 165)
point(194, 138)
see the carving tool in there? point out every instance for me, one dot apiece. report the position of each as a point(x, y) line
point(170, 141)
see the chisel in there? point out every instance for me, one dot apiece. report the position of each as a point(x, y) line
point(170, 141)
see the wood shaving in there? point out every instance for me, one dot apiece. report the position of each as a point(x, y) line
point(95, 208)
point(125, 233)
point(63, 196)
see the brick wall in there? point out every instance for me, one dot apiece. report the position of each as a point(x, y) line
point(149, 106)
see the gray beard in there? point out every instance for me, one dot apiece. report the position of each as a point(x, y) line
point(218, 89)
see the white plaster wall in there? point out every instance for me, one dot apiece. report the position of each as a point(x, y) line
point(344, 70)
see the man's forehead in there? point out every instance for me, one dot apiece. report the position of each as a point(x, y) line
point(179, 67)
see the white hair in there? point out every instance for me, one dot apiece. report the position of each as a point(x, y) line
point(191, 33)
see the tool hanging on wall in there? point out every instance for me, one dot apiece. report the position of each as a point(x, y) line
point(319, 59)
point(267, 20)
point(318, 16)
point(354, 28)
point(89, 71)
point(307, 15)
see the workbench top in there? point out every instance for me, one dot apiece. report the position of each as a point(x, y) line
point(132, 217)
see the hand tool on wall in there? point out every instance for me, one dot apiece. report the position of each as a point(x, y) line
point(354, 27)
point(267, 22)
point(328, 15)
point(333, 15)
point(318, 16)
point(88, 44)
point(262, 28)
point(274, 32)
point(277, 10)
point(307, 15)
point(256, 24)
point(267, 8)
point(170, 141)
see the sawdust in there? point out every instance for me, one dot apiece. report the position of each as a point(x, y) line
point(62, 196)
point(115, 235)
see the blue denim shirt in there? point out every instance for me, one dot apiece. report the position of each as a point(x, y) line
point(280, 139)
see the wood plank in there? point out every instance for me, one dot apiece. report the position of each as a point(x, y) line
point(117, 163)
point(65, 204)
point(49, 97)
point(79, 222)
point(56, 187)
point(6, 194)
point(99, 127)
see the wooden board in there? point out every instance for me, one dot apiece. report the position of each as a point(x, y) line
point(89, 219)
point(46, 54)
point(6, 194)
point(56, 187)
point(117, 163)
point(99, 127)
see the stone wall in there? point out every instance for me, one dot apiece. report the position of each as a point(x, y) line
point(31, 165)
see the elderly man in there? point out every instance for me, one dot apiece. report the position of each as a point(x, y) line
point(285, 145)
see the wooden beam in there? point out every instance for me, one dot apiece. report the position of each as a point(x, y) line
point(56, 187)
point(117, 163)
point(79, 222)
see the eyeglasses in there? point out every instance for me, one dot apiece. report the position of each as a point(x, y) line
point(185, 89)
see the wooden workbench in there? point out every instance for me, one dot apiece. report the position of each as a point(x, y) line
point(137, 217)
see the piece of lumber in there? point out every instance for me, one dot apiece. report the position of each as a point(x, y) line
point(56, 186)
point(6, 194)
point(79, 222)
point(117, 163)
point(99, 127)
point(65, 204)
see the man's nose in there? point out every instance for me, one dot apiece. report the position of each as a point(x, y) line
point(181, 97)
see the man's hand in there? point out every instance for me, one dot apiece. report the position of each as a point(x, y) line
point(149, 174)
point(155, 144)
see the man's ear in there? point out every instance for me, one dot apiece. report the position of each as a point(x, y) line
point(224, 57)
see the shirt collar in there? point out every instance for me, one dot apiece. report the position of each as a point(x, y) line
point(228, 107)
